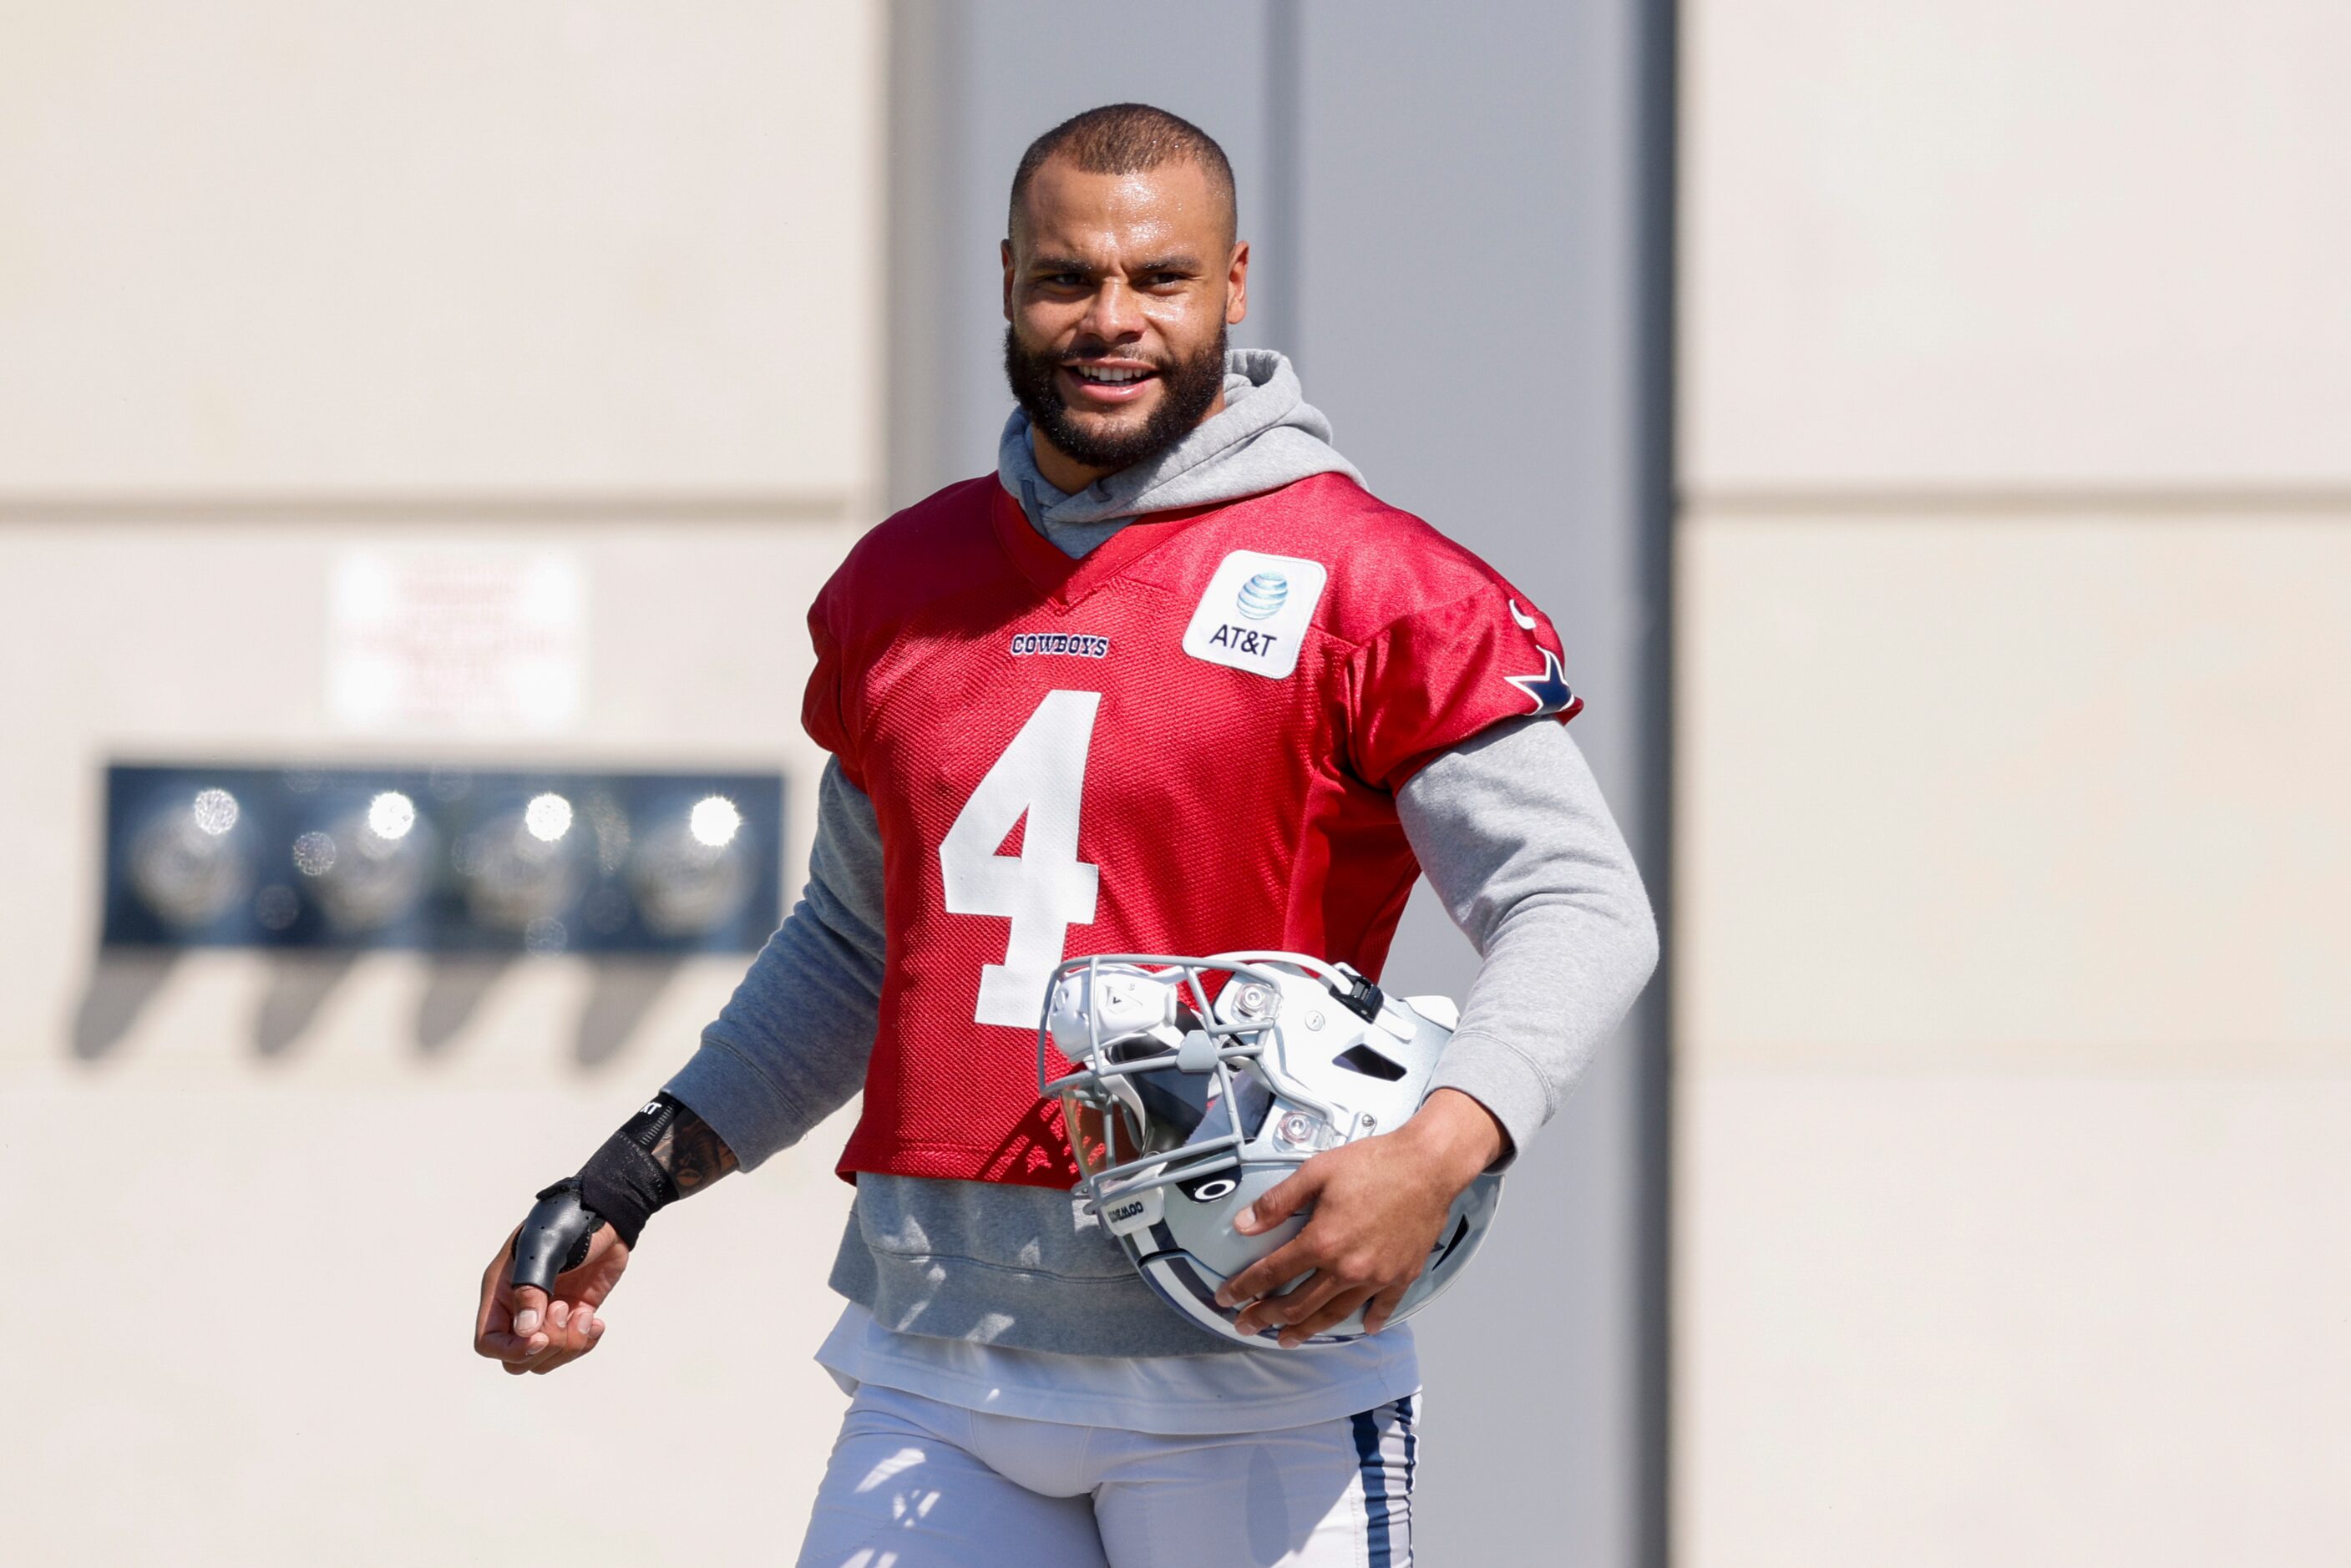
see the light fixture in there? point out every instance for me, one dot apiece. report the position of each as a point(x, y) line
point(714, 821)
point(391, 814)
point(547, 817)
point(215, 810)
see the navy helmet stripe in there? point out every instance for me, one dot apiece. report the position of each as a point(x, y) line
point(1460, 1234)
point(1160, 1267)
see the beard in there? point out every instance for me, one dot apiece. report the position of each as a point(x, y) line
point(1188, 387)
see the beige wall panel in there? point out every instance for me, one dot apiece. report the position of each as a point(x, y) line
point(244, 1336)
point(2049, 788)
point(1946, 1322)
point(267, 1186)
point(281, 245)
point(2017, 242)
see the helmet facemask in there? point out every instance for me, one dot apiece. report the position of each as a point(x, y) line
point(1158, 1072)
point(1197, 1084)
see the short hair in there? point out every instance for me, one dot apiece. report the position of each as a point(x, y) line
point(1126, 139)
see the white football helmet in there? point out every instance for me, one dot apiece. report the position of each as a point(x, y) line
point(1200, 1083)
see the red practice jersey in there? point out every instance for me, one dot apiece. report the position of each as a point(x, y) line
point(1189, 742)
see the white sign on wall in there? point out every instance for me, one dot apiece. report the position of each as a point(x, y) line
point(438, 639)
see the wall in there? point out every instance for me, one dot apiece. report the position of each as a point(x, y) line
point(2015, 546)
point(280, 281)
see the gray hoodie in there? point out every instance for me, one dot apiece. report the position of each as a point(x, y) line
point(1509, 827)
point(1267, 435)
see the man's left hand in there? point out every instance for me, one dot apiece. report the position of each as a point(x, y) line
point(1378, 1206)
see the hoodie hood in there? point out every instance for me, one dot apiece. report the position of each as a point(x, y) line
point(1268, 436)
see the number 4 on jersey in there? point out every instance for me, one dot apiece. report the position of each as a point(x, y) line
point(1046, 888)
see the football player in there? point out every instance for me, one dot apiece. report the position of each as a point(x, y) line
point(1171, 679)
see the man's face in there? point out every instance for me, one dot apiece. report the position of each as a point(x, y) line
point(1118, 289)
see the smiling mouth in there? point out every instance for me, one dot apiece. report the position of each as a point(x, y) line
point(1115, 382)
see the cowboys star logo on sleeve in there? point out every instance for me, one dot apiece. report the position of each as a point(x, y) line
point(1548, 687)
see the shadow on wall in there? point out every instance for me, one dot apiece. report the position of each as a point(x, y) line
point(124, 982)
point(299, 984)
point(452, 994)
point(121, 983)
point(622, 992)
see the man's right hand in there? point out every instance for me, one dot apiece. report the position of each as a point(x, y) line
point(523, 1331)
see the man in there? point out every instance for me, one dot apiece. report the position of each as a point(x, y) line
point(1057, 729)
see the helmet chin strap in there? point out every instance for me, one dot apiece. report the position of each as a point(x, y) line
point(1358, 996)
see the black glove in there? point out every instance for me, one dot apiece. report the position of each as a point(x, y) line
point(554, 1237)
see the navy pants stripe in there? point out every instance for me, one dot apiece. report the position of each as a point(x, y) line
point(1377, 1534)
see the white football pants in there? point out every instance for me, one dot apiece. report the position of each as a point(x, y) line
point(917, 1484)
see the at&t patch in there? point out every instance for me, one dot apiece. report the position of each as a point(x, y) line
point(1255, 612)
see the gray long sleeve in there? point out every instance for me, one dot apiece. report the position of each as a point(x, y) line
point(791, 1044)
point(1510, 830)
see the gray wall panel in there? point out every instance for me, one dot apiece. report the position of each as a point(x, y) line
point(1471, 322)
point(1470, 281)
